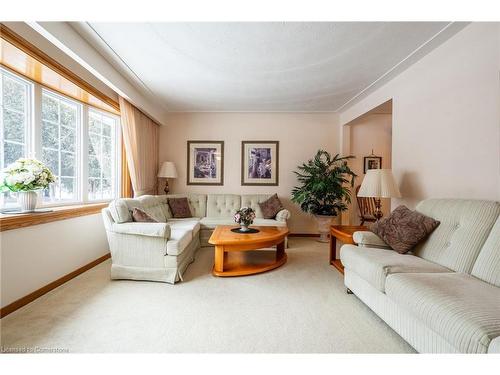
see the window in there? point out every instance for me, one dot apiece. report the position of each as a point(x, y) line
point(101, 155)
point(60, 128)
point(79, 143)
point(15, 94)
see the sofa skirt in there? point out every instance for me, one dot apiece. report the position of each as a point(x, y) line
point(170, 272)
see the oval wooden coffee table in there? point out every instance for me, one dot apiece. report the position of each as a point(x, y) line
point(238, 254)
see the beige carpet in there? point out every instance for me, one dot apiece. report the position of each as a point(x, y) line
point(301, 307)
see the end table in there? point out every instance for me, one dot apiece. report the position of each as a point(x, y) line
point(343, 233)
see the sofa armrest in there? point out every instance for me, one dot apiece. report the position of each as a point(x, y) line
point(369, 239)
point(494, 345)
point(283, 215)
point(161, 230)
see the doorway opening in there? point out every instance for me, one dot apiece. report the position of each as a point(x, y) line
point(369, 139)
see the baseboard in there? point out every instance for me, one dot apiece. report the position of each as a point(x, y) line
point(303, 235)
point(4, 311)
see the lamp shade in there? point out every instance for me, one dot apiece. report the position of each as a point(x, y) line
point(379, 183)
point(167, 170)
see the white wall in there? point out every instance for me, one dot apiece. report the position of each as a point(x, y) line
point(300, 136)
point(367, 133)
point(446, 133)
point(33, 257)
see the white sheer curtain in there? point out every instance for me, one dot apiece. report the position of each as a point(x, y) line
point(141, 137)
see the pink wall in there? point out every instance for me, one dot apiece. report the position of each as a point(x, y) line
point(446, 133)
point(300, 136)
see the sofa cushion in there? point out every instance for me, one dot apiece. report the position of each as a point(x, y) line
point(223, 205)
point(404, 228)
point(179, 207)
point(375, 264)
point(460, 308)
point(252, 201)
point(487, 266)
point(463, 229)
point(179, 239)
point(271, 207)
point(192, 224)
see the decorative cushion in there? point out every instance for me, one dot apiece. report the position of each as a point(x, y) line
point(179, 207)
point(404, 228)
point(271, 207)
point(140, 216)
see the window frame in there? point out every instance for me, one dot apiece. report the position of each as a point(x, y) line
point(78, 152)
point(34, 142)
point(117, 155)
point(28, 114)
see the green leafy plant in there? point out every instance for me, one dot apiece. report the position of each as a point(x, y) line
point(325, 182)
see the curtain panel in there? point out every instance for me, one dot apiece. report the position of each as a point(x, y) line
point(141, 140)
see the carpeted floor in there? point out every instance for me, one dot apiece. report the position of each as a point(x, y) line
point(301, 307)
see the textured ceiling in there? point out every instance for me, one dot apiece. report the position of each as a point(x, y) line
point(278, 66)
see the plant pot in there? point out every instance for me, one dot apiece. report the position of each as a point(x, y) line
point(324, 223)
point(244, 228)
point(27, 200)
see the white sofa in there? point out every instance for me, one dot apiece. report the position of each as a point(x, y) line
point(444, 297)
point(162, 251)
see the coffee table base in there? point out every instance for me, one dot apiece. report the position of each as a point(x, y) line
point(249, 262)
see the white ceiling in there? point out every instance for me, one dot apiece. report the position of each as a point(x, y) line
point(281, 66)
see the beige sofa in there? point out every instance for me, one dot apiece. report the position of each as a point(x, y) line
point(444, 297)
point(162, 251)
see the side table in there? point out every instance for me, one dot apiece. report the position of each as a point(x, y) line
point(343, 233)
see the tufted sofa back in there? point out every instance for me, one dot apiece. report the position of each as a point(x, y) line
point(458, 240)
point(222, 205)
point(201, 205)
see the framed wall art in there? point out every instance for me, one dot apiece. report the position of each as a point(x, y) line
point(372, 162)
point(260, 163)
point(205, 162)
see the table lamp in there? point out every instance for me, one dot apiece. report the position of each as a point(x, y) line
point(167, 170)
point(379, 183)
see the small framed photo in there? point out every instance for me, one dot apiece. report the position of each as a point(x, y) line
point(260, 163)
point(372, 162)
point(205, 162)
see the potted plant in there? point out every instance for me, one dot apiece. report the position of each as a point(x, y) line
point(25, 177)
point(324, 188)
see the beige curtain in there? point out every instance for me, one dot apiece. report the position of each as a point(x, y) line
point(141, 137)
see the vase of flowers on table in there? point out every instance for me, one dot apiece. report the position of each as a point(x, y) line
point(25, 177)
point(244, 216)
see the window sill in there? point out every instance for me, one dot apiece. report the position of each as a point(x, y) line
point(16, 221)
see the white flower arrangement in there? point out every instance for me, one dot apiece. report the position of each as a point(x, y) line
point(26, 175)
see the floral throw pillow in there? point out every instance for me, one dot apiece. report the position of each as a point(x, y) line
point(403, 229)
point(271, 207)
point(179, 207)
point(140, 216)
